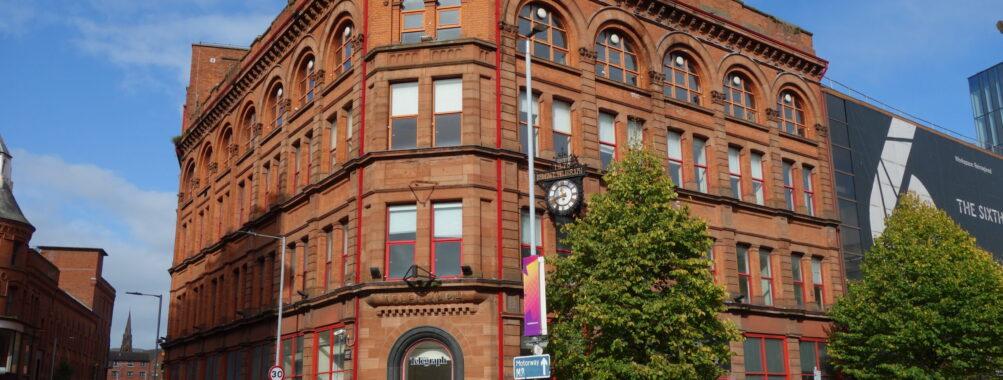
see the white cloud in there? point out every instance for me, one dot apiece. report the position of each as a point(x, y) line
point(83, 205)
point(164, 42)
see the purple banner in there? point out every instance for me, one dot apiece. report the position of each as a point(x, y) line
point(534, 299)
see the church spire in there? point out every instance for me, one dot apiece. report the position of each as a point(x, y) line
point(127, 335)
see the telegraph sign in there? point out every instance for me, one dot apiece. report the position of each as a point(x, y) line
point(276, 373)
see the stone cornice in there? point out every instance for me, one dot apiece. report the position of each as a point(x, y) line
point(242, 77)
point(709, 28)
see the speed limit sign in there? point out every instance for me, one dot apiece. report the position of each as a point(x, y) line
point(276, 373)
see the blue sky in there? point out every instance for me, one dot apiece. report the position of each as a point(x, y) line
point(94, 89)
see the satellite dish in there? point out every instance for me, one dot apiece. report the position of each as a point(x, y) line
point(999, 25)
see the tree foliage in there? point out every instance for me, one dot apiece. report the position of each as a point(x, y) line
point(929, 306)
point(636, 300)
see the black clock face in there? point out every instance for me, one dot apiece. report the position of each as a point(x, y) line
point(563, 197)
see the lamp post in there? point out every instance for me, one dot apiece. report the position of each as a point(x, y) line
point(541, 15)
point(282, 282)
point(156, 339)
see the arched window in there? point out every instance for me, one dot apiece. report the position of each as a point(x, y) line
point(790, 113)
point(551, 44)
point(342, 56)
point(188, 181)
point(681, 79)
point(427, 360)
point(616, 58)
point(738, 98)
point(226, 142)
point(278, 106)
point(247, 128)
point(307, 80)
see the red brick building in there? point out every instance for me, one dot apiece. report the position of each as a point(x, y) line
point(56, 306)
point(382, 139)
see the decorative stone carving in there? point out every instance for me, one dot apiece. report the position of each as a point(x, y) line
point(284, 105)
point(317, 76)
point(257, 128)
point(656, 77)
point(772, 115)
point(357, 42)
point(213, 167)
point(195, 183)
point(232, 150)
point(508, 30)
point(587, 56)
point(822, 131)
point(717, 97)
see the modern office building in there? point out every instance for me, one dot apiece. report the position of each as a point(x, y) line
point(57, 309)
point(877, 156)
point(384, 143)
point(986, 90)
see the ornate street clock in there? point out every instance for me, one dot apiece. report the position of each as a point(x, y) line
point(564, 197)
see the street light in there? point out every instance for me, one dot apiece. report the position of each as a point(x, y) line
point(282, 282)
point(156, 339)
point(541, 14)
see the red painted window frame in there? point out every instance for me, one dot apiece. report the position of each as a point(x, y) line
point(731, 174)
point(799, 280)
point(696, 166)
point(761, 181)
point(328, 256)
point(297, 165)
point(344, 252)
point(747, 277)
point(679, 160)
point(445, 240)
point(290, 373)
point(821, 284)
point(762, 353)
point(389, 243)
point(524, 126)
point(809, 188)
point(789, 187)
point(306, 255)
point(712, 257)
point(613, 144)
point(539, 247)
point(769, 263)
point(316, 372)
point(818, 361)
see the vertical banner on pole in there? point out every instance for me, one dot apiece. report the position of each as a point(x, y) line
point(534, 300)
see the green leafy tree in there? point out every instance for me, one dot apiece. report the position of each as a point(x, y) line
point(63, 371)
point(929, 306)
point(636, 300)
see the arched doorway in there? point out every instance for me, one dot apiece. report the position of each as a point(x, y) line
point(425, 353)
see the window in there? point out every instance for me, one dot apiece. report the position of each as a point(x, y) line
point(790, 114)
point(756, 160)
point(333, 128)
point(738, 99)
point(328, 258)
point(789, 185)
point(808, 190)
point(343, 52)
point(550, 44)
point(306, 256)
point(561, 113)
point(735, 172)
point(447, 20)
point(404, 115)
point(816, 282)
point(292, 356)
point(448, 111)
point(700, 163)
point(308, 81)
point(142, 374)
point(798, 276)
point(524, 235)
point(241, 190)
point(330, 354)
point(635, 133)
point(765, 357)
point(765, 276)
point(523, 120)
point(413, 20)
point(607, 138)
point(427, 359)
point(447, 239)
point(713, 264)
point(815, 355)
point(297, 163)
point(681, 80)
point(344, 252)
point(278, 107)
point(675, 149)
point(292, 272)
point(744, 277)
point(401, 235)
point(615, 58)
point(235, 362)
point(129, 373)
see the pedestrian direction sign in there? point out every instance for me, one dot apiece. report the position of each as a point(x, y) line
point(531, 367)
